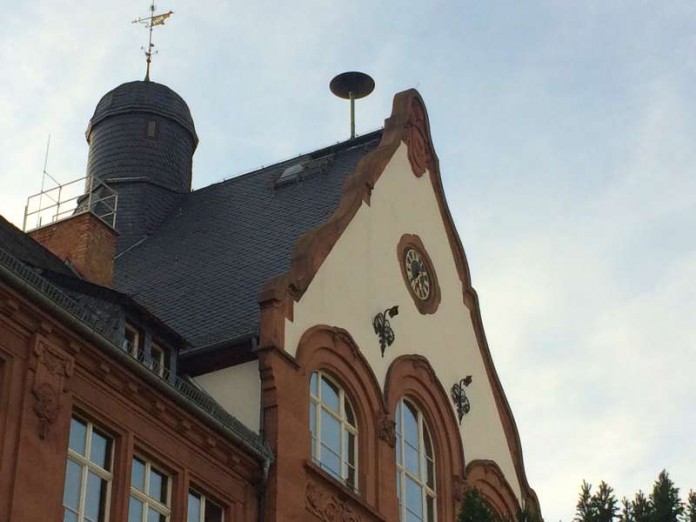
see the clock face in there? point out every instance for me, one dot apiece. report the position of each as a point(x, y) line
point(417, 273)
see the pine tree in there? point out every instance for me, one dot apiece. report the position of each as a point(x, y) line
point(661, 505)
point(598, 507)
point(626, 511)
point(642, 508)
point(666, 504)
point(584, 509)
point(604, 503)
point(690, 512)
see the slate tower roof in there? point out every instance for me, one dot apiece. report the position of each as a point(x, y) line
point(141, 142)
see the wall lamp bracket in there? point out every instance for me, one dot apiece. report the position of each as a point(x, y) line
point(383, 329)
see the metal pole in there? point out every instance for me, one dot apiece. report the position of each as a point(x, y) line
point(352, 115)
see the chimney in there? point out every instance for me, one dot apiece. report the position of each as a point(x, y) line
point(85, 242)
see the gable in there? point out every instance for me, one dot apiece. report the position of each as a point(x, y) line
point(348, 270)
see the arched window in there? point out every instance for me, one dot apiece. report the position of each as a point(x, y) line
point(415, 465)
point(333, 427)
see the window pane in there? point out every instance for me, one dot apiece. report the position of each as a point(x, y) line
point(96, 498)
point(330, 431)
point(412, 517)
point(350, 448)
point(414, 498)
point(78, 435)
point(412, 459)
point(138, 474)
point(431, 509)
point(428, 444)
point(349, 413)
point(313, 389)
point(410, 427)
point(100, 451)
point(398, 449)
point(329, 395)
point(397, 418)
point(213, 512)
point(194, 507)
point(330, 461)
point(350, 479)
point(312, 418)
point(69, 516)
point(73, 480)
point(154, 516)
point(430, 478)
point(158, 486)
point(135, 510)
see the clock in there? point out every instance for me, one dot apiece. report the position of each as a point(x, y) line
point(418, 273)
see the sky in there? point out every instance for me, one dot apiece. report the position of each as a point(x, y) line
point(565, 133)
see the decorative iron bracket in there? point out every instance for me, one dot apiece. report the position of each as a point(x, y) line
point(461, 401)
point(383, 329)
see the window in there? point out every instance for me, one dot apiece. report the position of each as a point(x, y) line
point(149, 493)
point(333, 428)
point(88, 474)
point(159, 359)
point(415, 465)
point(151, 129)
point(131, 341)
point(202, 509)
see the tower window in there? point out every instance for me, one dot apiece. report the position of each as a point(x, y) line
point(151, 129)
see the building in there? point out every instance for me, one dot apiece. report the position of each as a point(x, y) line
point(298, 343)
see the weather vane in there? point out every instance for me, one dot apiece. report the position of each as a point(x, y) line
point(149, 22)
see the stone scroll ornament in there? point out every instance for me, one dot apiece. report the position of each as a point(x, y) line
point(327, 507)
point(53, 369)
point(416, 137)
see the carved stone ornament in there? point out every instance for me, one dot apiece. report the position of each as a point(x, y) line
point(416, 138)
point(54, 360)
point(53, 369)
point(46, 407)
point(460, 486)
point(386, 429)
point(327, 507)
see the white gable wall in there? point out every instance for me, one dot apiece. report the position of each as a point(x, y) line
point(362, 276)
point(238, 390)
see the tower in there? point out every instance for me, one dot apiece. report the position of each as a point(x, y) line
point(141, 142)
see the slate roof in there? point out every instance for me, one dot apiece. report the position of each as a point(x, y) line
point(202, 270)
point(92, 306)
point(143, 96)
point(16, 242)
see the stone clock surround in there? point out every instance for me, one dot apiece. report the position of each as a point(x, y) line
point(431, 303)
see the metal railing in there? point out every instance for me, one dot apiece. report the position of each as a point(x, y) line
point(63, 200)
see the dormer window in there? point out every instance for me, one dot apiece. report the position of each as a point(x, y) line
point(131, 340)
point(159, 359)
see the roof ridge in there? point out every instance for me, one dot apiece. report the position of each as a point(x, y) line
point(323, 151)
